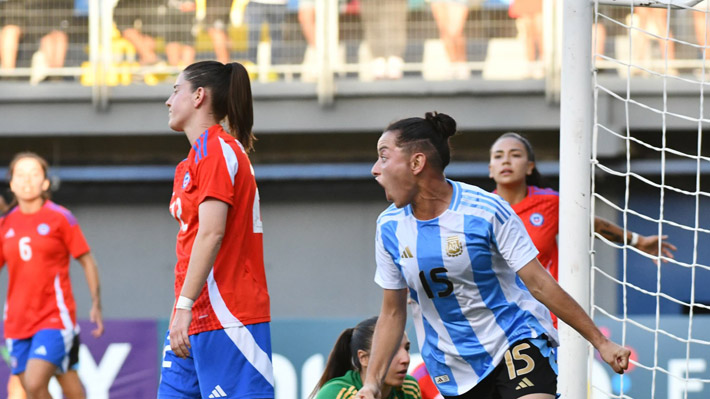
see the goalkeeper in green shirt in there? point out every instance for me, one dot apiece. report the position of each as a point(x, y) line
point(348, 361)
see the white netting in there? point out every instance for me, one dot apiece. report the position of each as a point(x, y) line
point(648, 177)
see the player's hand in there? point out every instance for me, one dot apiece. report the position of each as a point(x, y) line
point(179, 340)
point(368, 391)
point(96, 317)
point(649, 244)
point(615, 355)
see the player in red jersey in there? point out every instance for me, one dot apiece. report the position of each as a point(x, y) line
point(37, 237)
point(219, 343)
point(512, 167)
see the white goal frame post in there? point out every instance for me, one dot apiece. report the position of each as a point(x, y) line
point(575, 227)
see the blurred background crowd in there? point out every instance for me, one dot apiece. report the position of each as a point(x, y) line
point(147, 40)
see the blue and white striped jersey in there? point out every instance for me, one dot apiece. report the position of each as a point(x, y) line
point(461, 270)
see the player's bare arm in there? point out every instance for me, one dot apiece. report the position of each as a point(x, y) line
point(546, 290)
point(213, 216)
point(385, 341)
point(91, 271)
point(648, 244)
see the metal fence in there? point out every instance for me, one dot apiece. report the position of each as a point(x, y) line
point(124, 42)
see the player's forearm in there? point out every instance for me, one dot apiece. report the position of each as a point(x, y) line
point(387, 336)
point(91, 272)
point(611, 231)
point(569, 311)
point(546, 290)
point(204, 252)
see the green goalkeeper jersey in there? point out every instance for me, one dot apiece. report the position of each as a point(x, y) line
point(346, 387)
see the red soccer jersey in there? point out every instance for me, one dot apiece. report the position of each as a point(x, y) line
point(426, 384)
point(235, 292)
point(539, 211)
point(540, 214)
point(36, 248)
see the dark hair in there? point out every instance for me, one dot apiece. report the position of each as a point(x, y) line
point(343, 357)
point(534, 178)
point(429, 135)
point(231, 95)
point(42, 162)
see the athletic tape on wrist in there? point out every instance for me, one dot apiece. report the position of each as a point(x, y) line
point(184, 302)
point(634, 239)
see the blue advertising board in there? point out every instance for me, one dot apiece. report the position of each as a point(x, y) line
point(125, 362)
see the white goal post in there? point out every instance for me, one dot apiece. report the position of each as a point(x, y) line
point(575, 151)
point(659, 177)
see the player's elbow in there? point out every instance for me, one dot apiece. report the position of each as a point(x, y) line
point(212, 237)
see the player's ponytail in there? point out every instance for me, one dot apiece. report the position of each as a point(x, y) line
point(230, 90)
point(429, 135)
point(240, 110)
point(343, 357)
point(534, 178)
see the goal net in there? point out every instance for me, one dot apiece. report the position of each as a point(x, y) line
point(649, 159)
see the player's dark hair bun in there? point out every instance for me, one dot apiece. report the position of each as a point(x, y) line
point(444, 124)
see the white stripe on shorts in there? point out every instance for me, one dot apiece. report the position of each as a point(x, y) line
point(239, 334)
point(243, 339)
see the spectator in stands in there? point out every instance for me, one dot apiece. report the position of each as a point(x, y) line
point(450, 16)
point(12, 19)
point(528, 15)
point(216, 18)
point(385, 31)
point(701, 21)
point(142, 21)
point(656, 22)
point(272, 12)
point(307, 20)
point(178, 35)
point(132, 18)
point(53, 18)
point(648, 24)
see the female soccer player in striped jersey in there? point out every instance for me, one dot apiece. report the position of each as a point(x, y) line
point(219, 344)
point(348, 360)
point(485, 329)
point(37, 237)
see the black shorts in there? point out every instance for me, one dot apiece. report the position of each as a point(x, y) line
point(523, 371)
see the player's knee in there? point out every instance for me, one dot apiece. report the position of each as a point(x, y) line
point(36, 390)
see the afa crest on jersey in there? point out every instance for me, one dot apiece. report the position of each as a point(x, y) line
point(186, 180)
point(43, 229)
point(453, 246)
point(537, 219)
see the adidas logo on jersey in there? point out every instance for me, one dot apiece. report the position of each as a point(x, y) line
point(42, 351)
point(407, 254)
point(525, 383)
point(10, 233)
point(440, 379)
point(218, 392)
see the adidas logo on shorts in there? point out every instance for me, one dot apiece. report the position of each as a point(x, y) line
point(42, 351)
point(525, 383)
point(218, 392)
